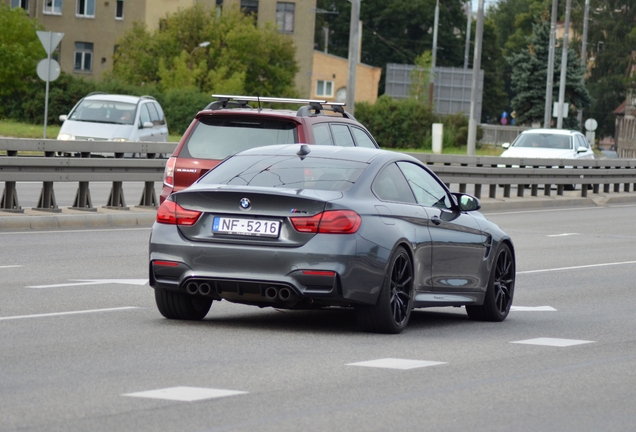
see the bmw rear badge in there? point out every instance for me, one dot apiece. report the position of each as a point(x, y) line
point(245, 204)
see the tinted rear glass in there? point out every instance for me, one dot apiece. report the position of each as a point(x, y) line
point(218, 137)
point(552, 141)
point(286, 171)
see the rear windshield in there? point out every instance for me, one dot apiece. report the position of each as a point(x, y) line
point(552, 141)
point(99, 111)
point(286, 171)
point(218, 137)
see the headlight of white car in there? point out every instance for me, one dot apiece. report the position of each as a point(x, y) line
point(65, 137)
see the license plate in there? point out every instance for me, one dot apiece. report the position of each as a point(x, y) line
point(249, 227)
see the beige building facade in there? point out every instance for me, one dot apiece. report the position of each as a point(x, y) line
point(330, 74)
point(92, 27)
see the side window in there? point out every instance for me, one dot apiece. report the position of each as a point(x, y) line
point(322, 135)
point(390, 185)
point(426, 188)
point(162, 117)
point(341, 135)
point(154, 115)
point(362, 139)
point(144, 115)
point(582, 142)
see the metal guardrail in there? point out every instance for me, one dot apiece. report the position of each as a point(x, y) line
point(495, 134)
point(50, 169)
point(523, 172)
point(498, 174)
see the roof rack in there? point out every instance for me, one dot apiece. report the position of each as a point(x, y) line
point(315, 106)
point(147, 97)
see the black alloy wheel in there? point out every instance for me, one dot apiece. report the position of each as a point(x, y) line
point(500, 289)
point(392, 311)
point(180, 306)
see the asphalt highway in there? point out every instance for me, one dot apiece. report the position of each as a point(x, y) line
point(83, 347)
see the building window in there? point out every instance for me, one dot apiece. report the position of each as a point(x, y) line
point(324, 88)
point(250, 7)
point(83, 57)
point(53, 7)
point(86, 8)
point(119, 9)
point(285, 17)
point(24, 4)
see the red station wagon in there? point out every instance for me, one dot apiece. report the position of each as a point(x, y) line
point(229, 125)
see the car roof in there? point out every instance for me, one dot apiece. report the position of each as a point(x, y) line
point(115, 97)
point(357, 154)
point(550, 131)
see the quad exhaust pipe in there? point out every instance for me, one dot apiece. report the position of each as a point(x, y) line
point(271, 293)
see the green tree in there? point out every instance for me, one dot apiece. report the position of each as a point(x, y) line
point(421, 77)
point(529, 79)
point(239, 57)
point(20, 50)
point(611, 41)
point(395, 31)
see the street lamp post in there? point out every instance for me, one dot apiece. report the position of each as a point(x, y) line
point(201, 45)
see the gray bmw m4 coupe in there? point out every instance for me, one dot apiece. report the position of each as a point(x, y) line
point(302, 227)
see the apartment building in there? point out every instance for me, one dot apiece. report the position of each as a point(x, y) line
point(92, 27)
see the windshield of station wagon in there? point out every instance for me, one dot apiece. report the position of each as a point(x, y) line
point(100, 111)
point(552, 141)
point(219, 136)
point(286, 171)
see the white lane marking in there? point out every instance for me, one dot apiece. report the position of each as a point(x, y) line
point(81, 282)
point(74, 231)
point(69, 313)
point(545, 210)
point(185, 394)
point(555, 342)
point(532, 308)
point(576, 267)
point(562, 235)
point(10, 266)
point(393, 363)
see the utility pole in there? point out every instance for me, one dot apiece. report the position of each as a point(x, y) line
point(353, 54)
point(564, 64)
point(472, 121)
point(586, 15)
point(469, 20)
point(547, 117)
point(431, 86)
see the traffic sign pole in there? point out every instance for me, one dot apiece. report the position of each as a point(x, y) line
point(46, 97)
point(49, 41)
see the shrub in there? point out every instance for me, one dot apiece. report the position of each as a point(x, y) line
point(181, 106)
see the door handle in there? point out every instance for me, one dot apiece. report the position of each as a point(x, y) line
point(436, 220)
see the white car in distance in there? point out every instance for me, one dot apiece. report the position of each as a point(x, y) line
point(108, 117)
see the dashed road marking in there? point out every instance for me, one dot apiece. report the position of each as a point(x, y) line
point(393, 363)
point(68, 313)
point(81, 282)
point(185, 394)
point(563, 235)
point(577, 267)
point(554, 342)
point(532, 308)
point(10, 266)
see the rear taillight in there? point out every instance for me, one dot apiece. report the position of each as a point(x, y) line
point(172, 213)
point(329, 222)
point(168, 173)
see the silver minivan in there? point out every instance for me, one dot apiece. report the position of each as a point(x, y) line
point(108, 117)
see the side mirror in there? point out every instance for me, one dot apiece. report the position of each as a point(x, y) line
point(147, 125)
point(581, 149)
point(63, 117)
point(467, 202)
point(506, 145)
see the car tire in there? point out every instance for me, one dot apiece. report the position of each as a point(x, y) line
point(500, 291)
point(569, 187)
point(180, 306)
point(392, 311)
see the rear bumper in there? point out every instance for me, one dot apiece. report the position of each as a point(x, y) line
point(329, 269)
